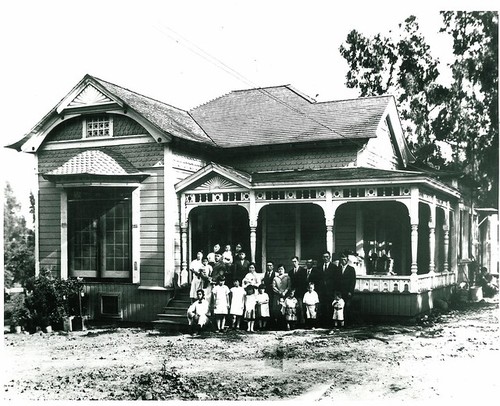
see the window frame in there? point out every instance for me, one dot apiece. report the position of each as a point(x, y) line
point(85, 124)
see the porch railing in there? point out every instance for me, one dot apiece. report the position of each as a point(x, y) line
point(404, 284)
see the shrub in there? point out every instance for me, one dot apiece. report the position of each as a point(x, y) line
point(49, 300)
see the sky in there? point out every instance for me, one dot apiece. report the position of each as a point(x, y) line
point(182, 53)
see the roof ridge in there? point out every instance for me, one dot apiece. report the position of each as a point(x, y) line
point(381, 96)
point(259, 88)
point(139, 94)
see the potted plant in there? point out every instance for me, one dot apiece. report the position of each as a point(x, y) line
point(19, 315)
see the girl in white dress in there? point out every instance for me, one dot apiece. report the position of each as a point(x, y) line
point(220, 297)
point(237, 304)
point(262, 308)
point(250, 303)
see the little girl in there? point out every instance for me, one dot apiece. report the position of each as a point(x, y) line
point(262, 308)
point(220, 297)
point(291, 304)
point(250, 303)
point(237, 304)
point(338, 310)
point(311, 304)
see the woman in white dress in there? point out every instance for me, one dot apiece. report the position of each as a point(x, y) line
point(196, 281)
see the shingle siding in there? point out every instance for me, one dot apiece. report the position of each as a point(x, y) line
point(294, 160)
point(49, 227)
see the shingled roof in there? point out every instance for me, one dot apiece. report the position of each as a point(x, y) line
point(96, 162)
point(279, 115)
point(166, 117)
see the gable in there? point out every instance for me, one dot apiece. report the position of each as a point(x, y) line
point(215, 177)
point(87, 97)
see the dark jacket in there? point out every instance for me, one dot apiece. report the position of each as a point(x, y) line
point(299, 281)
point(345, 282)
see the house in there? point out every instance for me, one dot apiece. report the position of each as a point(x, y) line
point(130, 188)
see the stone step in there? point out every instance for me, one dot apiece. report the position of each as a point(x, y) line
point(172, 316)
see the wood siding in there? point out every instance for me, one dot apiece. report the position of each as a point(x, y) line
point(398, 304)
point(49, 224)
point(152, 229)
point(345, 228)
point(136, 305)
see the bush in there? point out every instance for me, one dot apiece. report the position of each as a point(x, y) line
point(19, 314)
point(49, 300)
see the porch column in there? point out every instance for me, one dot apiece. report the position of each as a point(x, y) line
point(414, 230)
point(432, 239)
point(414, 246)
point(329, 236)
point(446, 240)
point(253, 240)
point(184, 252)
point(253, 215)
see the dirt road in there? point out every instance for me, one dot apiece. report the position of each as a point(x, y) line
point(453, 357)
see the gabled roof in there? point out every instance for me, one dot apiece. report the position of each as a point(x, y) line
point(168, 118)
point(238, 177)
point(92, 94)
point(279, 115)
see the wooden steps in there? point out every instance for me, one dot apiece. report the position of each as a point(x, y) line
point(174, 316)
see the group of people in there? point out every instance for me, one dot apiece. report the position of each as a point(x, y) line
point(228, 287)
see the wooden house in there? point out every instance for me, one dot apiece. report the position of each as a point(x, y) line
point(130, 188)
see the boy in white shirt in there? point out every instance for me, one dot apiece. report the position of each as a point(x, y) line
point(311, 305)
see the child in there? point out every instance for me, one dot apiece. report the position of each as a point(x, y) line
point(220, 297)
point(196, 282)
point(311, 304)
point(237, 304)
point(197, 313)
point(338, 310)
point(262, 308)
point(206, 277)
point(227, 255)
point(291, 304)
point(250, 303)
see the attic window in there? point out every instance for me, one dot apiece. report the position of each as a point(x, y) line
point(98, 126)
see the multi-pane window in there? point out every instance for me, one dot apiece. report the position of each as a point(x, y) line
point(99, 126)
point(99, 233)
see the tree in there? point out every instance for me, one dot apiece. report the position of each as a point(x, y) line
point(19, 242)
point(462, 115)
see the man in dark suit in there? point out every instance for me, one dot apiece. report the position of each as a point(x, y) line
point(345, 281)
point(299, 284)
point(267, 280)
point(240, 267)
point(327, 290)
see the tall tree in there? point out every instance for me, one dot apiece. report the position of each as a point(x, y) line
point(463, 115)
point(19, 242)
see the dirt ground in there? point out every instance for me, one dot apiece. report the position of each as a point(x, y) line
point(453, 356)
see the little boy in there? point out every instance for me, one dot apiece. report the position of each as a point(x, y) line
point(338, 310)
point(311, 304)
point(197, 313)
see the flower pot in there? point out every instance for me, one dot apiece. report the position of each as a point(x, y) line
point(16, 329)
point(48, 329)
point(77, 323)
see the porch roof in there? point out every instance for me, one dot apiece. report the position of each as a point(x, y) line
point(350, 174)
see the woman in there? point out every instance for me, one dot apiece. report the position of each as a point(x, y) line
point(196, 281)
point(252, 277)
point(281, 286)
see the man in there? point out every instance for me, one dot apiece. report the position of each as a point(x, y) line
point(345, 280)
point(298, 278)
point(197, 313)
point(267, 280)
point(240, 267)
point(219, 268)
point(328, 268)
